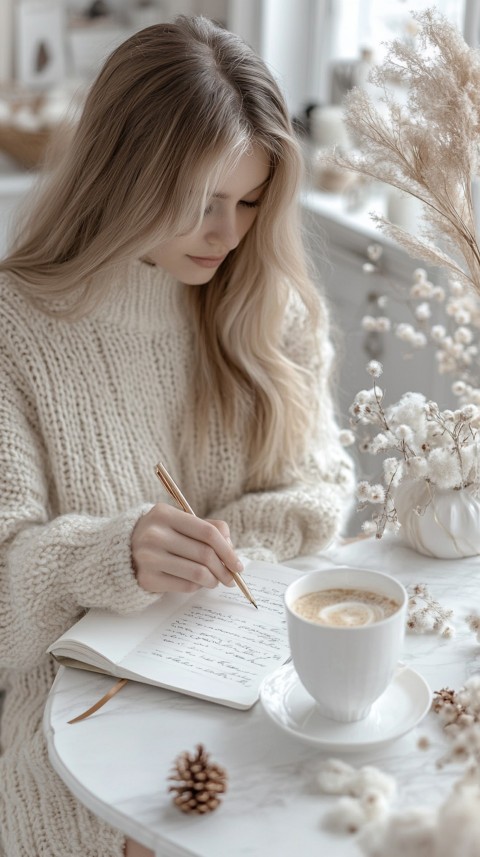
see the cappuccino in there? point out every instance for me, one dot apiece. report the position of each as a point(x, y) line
point(345, 608)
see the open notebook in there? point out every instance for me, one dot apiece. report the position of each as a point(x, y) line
point(212, 644)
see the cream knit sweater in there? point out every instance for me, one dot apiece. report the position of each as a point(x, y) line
point(86, 410)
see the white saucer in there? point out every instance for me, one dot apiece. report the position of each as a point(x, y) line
point(403, 705)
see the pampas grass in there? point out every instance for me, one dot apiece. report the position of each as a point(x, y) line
point(429, 147)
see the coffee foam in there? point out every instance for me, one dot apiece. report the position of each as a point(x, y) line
point(345, 608)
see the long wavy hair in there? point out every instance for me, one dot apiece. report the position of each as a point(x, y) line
point(173, 108)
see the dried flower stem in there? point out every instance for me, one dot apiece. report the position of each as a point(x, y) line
point(428, 149)
point(425, 614)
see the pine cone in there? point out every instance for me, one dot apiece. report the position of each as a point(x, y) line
point(199, 782)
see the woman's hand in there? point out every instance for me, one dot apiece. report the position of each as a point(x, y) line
point(173, 551)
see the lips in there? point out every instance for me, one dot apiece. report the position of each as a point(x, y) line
point(207, 261)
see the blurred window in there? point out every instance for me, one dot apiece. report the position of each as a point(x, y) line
point(367, 24)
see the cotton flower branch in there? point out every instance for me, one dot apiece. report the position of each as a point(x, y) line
point(459, 712)
point(365, 807)
point(437, 447)
point(455, 342)
point(365, 810)
point(473, 622)
point(428, 148)
point(425, 614)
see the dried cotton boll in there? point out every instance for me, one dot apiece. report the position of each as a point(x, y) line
point(374, 368)
point(405, 332)
point(363, 413)
point(411, 833)
point(372, 838)
point(369, 779)
point(458, 829)
point(468, 412)
point(368, 784)
point(369, 323)
point(380, 443)
point(462, 317)
point(438, 332)
point(465, 746)
point(469, 695)
point(424, 289)
point(438, 294)
point(347, 816)
point(377, 494)
point(404, 433)
point(423, 312)
point(471, 464)
point(409, 409)
point(419, 340)
point(456, 288)
point(364, 444)
point(416, 468)
point(419, 275)
point(419, 621)
point(418, 291)
point(379, 323)
point(448, 632)
point(375, 805)
point(392, 471)
point(363, 397)
point(363, 490)
point(384, 325)
point(444, 468)
point(473, 622)
point(334, 777)
point(350, 814)
point(346, 437)
point(463, 335)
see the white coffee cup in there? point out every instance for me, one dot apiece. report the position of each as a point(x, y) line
point(345, 669)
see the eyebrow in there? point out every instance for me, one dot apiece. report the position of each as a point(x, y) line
point(225, 195)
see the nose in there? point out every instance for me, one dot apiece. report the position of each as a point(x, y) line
point(224, 231)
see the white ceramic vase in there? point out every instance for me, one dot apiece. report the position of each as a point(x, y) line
point(449, 527)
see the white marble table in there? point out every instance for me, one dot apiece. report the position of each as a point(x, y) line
point(117, 761)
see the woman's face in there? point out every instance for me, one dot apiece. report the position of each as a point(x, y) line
point(230, 212)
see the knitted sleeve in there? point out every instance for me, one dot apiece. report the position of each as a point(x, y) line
point(306, 515)
point(50, 569)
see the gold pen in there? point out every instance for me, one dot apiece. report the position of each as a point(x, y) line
point(177, 495)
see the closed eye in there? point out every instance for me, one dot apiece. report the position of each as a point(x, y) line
point(243, 202)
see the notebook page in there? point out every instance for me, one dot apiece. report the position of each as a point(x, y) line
point(218, 645)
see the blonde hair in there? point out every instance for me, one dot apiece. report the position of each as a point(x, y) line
point(174, 107)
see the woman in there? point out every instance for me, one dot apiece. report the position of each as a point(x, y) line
point(156, 306)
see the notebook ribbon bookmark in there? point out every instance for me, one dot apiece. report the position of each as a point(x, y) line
point(113, 690)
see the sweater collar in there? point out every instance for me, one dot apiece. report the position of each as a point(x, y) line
point(143, 296)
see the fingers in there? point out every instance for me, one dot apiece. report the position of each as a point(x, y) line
point(177, 552)
point(158, 582)
point(208, 534)
point(222, 528)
